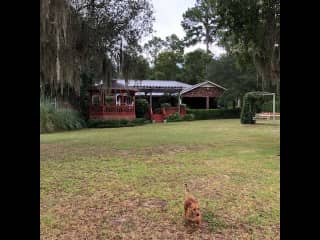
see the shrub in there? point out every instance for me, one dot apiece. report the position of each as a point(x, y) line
point(115, 123)
point(141, 107)
point(123, 121)
point(139, 121)
point(188, 117)
point(46, 111)
point(174, 117)
point(203, 114)
point(251, 102)
point(101, 123)
point(67, 119)
point(52, 119)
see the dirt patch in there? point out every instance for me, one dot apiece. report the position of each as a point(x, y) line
point(154, 203)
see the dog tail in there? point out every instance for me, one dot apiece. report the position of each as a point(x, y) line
point(186, 187)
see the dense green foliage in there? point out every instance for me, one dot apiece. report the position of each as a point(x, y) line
point(58, 119)
point(251, 31)
point(98, 38)
point(141, 107)
point(203, 114)
point(225, 72)
point(141, 69)
point(251, 101)
point(166, 66)
point(175, 44)
point(188, 117)
point(116, 123)
point(199, 23)
point(174, 117)
point(194, 66)
point(153, 47)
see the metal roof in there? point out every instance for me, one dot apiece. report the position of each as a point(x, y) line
point(158, 86)
point(145, 84)
point(148, 94)
point(199, 85)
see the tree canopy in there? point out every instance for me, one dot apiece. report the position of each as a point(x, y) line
point(153, 47)
point(194, 66)
point(251, 31)
point(167, 66)
point(199, 23)
point(97, 37)
point(224, 71)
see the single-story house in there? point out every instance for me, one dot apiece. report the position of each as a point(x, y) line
point(118, 101)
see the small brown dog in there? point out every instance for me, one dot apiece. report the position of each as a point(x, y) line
point(191, 207)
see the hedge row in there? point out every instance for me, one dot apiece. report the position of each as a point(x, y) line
point(176, 117)
point(203, 114)
point(116, 123)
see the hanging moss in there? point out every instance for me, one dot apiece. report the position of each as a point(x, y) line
point(62, 52)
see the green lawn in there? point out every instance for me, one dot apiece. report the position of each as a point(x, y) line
point(127, 183)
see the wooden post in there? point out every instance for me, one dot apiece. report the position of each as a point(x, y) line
point(179, 102)
point(103, 101)
point(207, 102)
point(134, 102)
point(274, 106)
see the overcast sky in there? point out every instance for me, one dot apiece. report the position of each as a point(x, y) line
point(168, 17)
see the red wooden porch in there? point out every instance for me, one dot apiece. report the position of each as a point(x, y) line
point(118, 103)
point(113, 111)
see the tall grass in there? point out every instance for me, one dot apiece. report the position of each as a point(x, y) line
point(57, 119)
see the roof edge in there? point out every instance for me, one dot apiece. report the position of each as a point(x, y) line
point(199, 85)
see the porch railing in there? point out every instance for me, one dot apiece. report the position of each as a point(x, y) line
point(119, 108)
point(112, 108)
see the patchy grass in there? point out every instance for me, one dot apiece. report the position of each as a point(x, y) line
point(127, 183)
